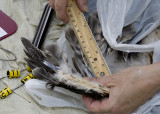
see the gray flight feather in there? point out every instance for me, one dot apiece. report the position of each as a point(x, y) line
point(42, 74)
point(31, 63)
point(36, 55)
point(79, 61)
point(57, 53)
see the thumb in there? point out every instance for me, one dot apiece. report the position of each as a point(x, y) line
point(82, 4)
point(100, 106)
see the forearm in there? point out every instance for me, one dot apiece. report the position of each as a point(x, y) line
point(153, 74)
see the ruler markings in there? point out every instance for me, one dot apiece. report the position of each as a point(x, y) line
point(87, 41)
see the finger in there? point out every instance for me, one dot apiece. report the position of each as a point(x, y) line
point(106, 105)
point(51, 3)
point(107, 81)
point(96, 105)
point(82, 4)
point(60, 8)
point(90, 78)
point(88, 102)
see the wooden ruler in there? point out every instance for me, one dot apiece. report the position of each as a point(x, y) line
point(87, 41)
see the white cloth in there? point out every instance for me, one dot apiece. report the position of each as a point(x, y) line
point(115, 14)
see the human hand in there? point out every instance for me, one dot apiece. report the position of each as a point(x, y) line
point(61, 5)
point(129, 89)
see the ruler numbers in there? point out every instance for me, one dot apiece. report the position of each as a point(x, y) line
point(87, 41)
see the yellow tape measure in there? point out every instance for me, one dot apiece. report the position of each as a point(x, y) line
point(87, 40)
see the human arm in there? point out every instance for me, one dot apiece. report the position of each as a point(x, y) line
point(60, 8)
point(129, 89)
